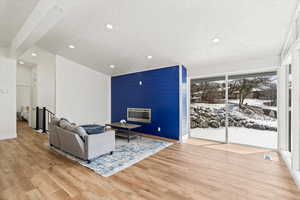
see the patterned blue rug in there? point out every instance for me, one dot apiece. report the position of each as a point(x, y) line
point(125, 155)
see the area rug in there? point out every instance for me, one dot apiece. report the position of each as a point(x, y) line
point(125, 155)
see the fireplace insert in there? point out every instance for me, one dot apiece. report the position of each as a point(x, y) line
point(139, 115)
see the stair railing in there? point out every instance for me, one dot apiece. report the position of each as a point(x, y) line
point(43, 118)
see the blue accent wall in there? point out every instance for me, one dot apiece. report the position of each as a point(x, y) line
point(159, 91)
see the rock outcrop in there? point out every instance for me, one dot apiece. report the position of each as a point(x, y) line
point(202, 117)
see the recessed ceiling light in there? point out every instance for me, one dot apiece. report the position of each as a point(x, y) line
point(109, 26)
point(216, 40)
point(34, 54)
point(21, 62)
point(149, 57)
point(71, 46)
point(112, 66)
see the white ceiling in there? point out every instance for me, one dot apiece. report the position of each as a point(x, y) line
point(13, 14)
point(172, 31)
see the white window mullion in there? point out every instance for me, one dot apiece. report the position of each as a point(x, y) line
point(295, 134)
point(282, 102)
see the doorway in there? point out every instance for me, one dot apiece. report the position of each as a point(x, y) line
point(25, 92)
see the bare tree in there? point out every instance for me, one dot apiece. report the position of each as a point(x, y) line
point(242, 88)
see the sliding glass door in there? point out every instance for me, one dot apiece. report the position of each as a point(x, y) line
point(252, 109)
point(208, 108)
point(244, 113)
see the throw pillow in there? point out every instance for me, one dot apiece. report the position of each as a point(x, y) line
point(69, 127)
point(65, 119)
point(63, 123)
point(55, 121)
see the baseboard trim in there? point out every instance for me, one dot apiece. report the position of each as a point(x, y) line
point(157, 137)
point(295, 174)
point(8, 138)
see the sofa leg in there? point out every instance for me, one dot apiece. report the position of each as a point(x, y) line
point(111, 153)
point(88, 161)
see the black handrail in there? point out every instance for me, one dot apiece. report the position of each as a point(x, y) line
point(37, 119)
point(49, 111)
point(46, 117)
point(44, 120)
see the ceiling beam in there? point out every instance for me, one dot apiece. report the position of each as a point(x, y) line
point(42, 19)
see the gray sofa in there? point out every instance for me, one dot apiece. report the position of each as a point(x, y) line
point(75, 141)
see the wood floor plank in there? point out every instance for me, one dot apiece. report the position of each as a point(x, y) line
point(30, 170)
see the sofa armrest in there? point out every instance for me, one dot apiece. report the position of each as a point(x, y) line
point(53, 137)
point(99, 144)
point(71, 143)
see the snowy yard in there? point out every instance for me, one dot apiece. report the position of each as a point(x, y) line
point(259, 119)
point(249, 117)
point(251, 102)
point(255, 129)
point(255, 102)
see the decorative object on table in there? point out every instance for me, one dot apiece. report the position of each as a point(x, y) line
point(123, 121)
point(124, 130)
point(125, 155)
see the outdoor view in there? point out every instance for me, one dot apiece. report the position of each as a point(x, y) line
point(208, 108)
point(252, 109)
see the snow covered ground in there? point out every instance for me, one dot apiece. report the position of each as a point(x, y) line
point(241, 135)
point(251, 102)
point(259, 119)
point(266, 139)
point(255, 102)
point(207, 105)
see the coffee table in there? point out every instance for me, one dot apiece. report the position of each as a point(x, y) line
point(124, 130)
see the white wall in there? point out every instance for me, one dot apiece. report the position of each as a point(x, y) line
point(7, 98)
point(44, 74)
point(46, 80)
point(82, 94)
point(23, 75)
point(3, 52)
point(244, 65)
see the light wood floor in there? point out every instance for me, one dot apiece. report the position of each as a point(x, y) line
point(234, 148)
point(200, 142)
point(30, 170)
point(237, 148)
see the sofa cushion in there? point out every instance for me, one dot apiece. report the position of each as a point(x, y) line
point(80, 131)
point(55, 121)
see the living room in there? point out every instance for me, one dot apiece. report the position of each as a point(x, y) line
point(119, 100)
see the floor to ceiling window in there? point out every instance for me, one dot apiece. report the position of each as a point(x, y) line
point(252, 109)
point(244, 113)
point(208, 108)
